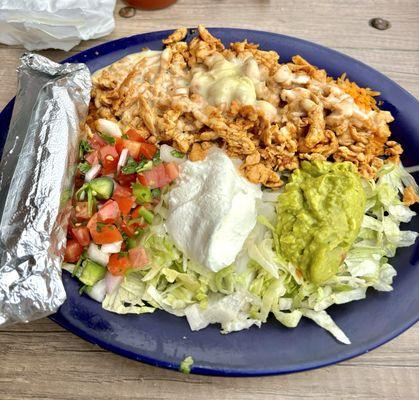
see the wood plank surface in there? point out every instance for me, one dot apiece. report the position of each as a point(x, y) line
point(41, 360)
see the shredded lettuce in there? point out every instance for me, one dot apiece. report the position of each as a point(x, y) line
point(186, 365)
point(127, 299)
point(260, 283)
point(323, 319)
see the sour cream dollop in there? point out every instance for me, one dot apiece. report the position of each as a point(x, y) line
point(212, 210)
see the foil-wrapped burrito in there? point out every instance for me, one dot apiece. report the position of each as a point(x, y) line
point(36, 182)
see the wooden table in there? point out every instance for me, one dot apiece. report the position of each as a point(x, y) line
point(42, 361)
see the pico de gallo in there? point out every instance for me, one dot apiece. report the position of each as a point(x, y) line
point(119, 181)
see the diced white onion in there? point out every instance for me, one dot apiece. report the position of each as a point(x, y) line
point(167, 156)
point(111, 247)
point(68, 267)
point(112, 282)
point(97, 255)
point(108, 127)
point(122, 159)
point(92, 173)
point(98, 291)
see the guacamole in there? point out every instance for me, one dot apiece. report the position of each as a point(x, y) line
point(319, 217)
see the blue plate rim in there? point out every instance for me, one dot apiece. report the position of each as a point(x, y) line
point(222, 372)
point(60, 319)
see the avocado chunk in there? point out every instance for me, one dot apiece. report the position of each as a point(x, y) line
point(102, 187)
point(91, 272)
point(319, 217)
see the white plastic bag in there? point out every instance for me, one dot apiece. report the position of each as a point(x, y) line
point(58, 24)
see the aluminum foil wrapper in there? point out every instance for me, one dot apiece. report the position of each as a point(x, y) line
point(36, 182)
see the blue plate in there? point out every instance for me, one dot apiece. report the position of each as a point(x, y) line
point(164, 340)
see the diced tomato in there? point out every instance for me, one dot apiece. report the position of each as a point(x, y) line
point(109, 158)
point(82, 211)
point(136, 212)
point(172, 170)
point(97, 142)
point(106, 234)
point(125, 203)
point(92, 222)
point(133, 134)
point(81, 234)
point(79, 179)
point(138, 257)
point(151, 178)
point(72, 251)
point(92, 158)
point(129, 230)
point(143, 180)
point(159, 176)
point(119, 145)
point(122, 191)
point(148, 150)
point(109, 212)
point(132, 147)
point(134, 215)
point(118, 264)
point(126, 179)
point(162, 178)
point(103, 233)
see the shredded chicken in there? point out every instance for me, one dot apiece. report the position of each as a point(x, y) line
point(178, 35)
point(410, 196)
point(269, 115)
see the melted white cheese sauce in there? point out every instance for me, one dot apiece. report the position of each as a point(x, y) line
point(212, 210)
point(226, 81)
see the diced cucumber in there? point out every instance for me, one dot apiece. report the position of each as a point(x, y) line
point(91, 272)
point(102, 187)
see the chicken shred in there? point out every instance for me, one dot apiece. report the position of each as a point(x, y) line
point(299, 113)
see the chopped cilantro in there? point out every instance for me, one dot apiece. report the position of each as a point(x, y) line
point(108, 139)
point(84, 148)
point(125, 237)
point(130, 166)
point(125, 136)
point(156, 193)
point(156, 159)
point(133, 166)
point(84, 167)
point(144, 166)
point(99, 226)
point(122, 254)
